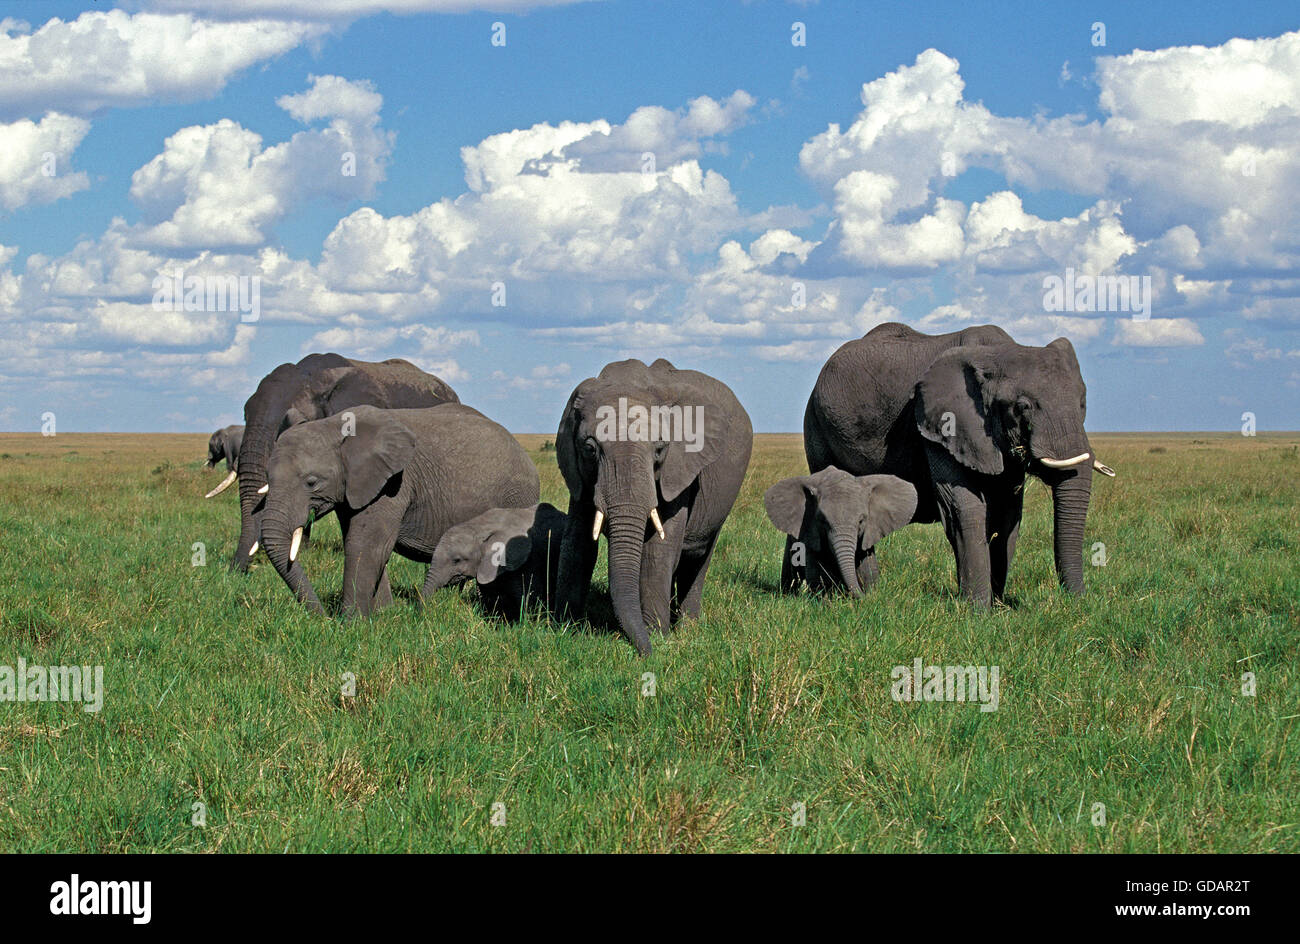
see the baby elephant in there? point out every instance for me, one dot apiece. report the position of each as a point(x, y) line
point(514, 553)
point(832, 521)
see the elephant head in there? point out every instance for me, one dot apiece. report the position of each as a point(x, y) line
point(623, 471)
point(836, 514)
point(484, 548)
point(348, 459)
point(318, 386)
point(224, 444)
point(1011, 409)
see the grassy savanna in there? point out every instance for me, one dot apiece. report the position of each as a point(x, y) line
point(221, 690)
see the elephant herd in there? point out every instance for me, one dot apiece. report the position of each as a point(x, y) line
point(901, 428)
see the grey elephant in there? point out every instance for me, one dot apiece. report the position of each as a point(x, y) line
point(655, 456)
point(318, 386)
point(833, 521)
point(513, 554)
point(396, 479)
point(224, 444)
point(963, 417)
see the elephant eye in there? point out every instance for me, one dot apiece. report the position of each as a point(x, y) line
point(312, 481)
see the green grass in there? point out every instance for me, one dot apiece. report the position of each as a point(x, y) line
point(220, 689)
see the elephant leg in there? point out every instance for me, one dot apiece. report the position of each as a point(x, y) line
point(370, 541)
point(688, 585)
point(659, 560)
point(964, 515)
point(577, 560)
point(384, 592)
point(964, 520)
point(868, 569)
point(791, 573)
point(661, 563)
point(1004, 530)
point(511, 601)
point(490, 598)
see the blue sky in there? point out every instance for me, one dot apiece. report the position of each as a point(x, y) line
point(988, 150)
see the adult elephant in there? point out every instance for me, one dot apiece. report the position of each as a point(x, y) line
point(224, 444)
point(657, 456)
point(397, 480)
point(963, 417)
point(318, 386)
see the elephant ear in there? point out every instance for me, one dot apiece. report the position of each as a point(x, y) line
point(380, 448)
point(503, 551)
point(566, 450)
point(891, 503)
point(788, 504)
point(1066, 350)
point(955, 408)
point(679, 467)
point(679, 462)
point(785, 503)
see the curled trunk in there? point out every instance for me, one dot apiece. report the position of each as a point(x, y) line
point(1070, 499)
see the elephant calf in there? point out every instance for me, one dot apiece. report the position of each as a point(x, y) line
point(513, 553)
point(833, 521)
point(396, 479)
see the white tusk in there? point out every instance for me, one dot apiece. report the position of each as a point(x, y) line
point(252, 550)
point(1066, 463)
point(1103, 469)
point(264, 489)
point(595, 529)
point(225, 484)
point(654, 519)
point(293, 545)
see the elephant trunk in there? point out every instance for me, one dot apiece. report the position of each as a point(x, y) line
point(252, 477)
point(1070, 498)
point(626, 536)
point(845, 555)
point(278, 540)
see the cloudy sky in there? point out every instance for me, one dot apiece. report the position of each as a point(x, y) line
point(513, 193)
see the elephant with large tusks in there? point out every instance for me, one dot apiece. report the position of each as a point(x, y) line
point(963, 417)
point(653, 456)
point(317, 386)
point(396, 479)
point(224, 444)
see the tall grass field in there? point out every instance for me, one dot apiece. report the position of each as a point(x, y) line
point(1124, 722)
